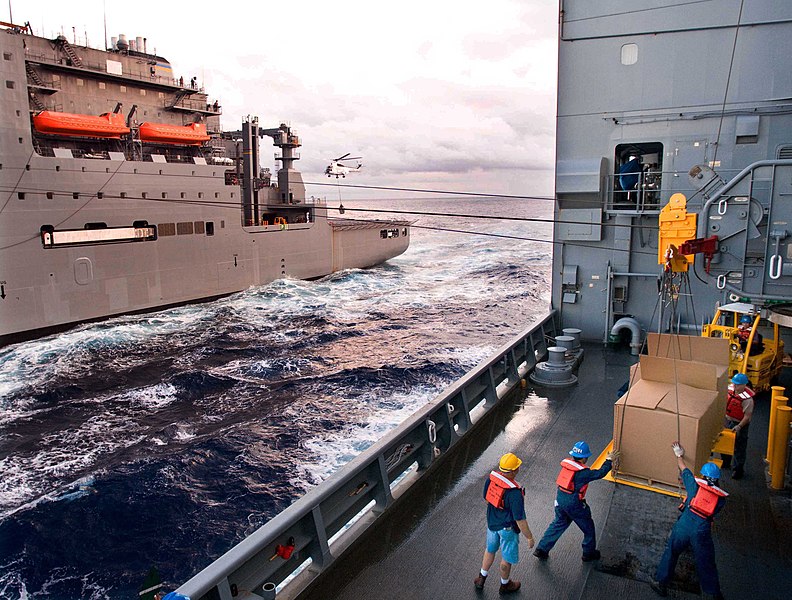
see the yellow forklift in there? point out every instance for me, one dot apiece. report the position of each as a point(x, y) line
point(750, 352)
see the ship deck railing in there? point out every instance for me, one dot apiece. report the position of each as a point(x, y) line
point(330, 517)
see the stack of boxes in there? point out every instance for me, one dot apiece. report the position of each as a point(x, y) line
point(677, 392)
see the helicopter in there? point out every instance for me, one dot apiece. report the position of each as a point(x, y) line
point(336, 168)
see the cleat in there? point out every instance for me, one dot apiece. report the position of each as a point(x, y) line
point(541, 554)
point(508, 588)
point(479, 581)
point(593, 556)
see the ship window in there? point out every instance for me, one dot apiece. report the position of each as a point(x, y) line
point(164, 194)
point(161, 95)
point(76, 195)
point(222, 224)
point(21, 195)
point(102, 85)
point(122, 88)
point(123, 194)
point(184, 228)
point(143, 93)
point(404, 231)
point(210, 228)
point(232, 194)
point(182, 195)
point(144, 195)
point(100, 195)
point(199, 227)
point(10, 85)
point(80, 82)
point(629, 54)
point(6, 56)
point(200, 194)
point(49, 195)
point(57, 167)
point(164, 229)
point(217, 194)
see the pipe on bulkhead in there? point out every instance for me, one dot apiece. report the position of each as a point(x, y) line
point(635, 330)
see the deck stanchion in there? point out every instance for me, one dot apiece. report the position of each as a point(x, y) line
point(780, 443)
point(776, 400)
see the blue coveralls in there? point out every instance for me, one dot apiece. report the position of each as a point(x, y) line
point(692, 530)
point(570, 508)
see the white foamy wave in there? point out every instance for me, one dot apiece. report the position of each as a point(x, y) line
point(328, 453)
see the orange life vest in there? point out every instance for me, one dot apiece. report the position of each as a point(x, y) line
point(566, 478)
point(734, 409)
point(498, 486)
point(706, 499)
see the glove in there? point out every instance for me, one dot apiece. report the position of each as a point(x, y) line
point(614, 455)
point(679, 451)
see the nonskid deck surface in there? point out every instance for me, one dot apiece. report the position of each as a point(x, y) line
point(436, 554)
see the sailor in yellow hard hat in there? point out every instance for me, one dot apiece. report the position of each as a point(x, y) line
point(505, 520)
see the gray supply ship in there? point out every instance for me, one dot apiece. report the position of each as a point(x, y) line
point(689, 98)
point(120, 193)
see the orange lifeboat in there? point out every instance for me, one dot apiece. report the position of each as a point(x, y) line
point(107, 125)
point(193, 134)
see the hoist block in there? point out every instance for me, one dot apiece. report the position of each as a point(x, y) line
point(676, 226)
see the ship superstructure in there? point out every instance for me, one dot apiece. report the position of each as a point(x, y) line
point(121, 193)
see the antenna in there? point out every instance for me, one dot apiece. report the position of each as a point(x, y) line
point(104, 12)
point(10, 14)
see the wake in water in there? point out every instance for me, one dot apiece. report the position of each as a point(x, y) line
point(166, 438)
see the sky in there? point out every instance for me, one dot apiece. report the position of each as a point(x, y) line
point(433, 94)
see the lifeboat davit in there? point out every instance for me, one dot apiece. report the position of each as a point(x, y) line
point(182, 135)
point(107, 125)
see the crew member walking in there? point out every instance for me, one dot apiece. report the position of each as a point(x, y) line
point(739, 409)
point(693, 528)
point(570, 503)
point(505, 520)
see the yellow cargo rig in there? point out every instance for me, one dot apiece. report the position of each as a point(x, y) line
point(758, 357)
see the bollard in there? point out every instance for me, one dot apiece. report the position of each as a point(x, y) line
point(780, 444)
point(775, 401)
point(268, 591)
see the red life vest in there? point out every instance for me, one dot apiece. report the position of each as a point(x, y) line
point(566, 478)
point(734, 409)
point(498, 486)
point(706, 499)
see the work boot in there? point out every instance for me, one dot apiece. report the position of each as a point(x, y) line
point(661, 589)
point(593, 556)
point(479, 581)
point(508, 588)
point(541, 554)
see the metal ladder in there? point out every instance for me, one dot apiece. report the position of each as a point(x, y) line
point(69, 51)
point(33, 75)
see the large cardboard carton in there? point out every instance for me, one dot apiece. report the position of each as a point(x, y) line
point(714, 351)
point(673, 400)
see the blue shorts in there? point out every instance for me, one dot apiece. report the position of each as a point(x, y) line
point(508, 541)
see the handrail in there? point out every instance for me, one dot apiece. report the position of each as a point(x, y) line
point(374, 477)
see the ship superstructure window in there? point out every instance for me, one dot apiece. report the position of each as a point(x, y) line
point(50, 195)
point(10, 85)
point(165, 229)
point(102, 85)
point(143, 93)
point(389, 233)
point(7, 56)
point(629, 54)
point(184, 228)
point(210, 228)
point(199, 227)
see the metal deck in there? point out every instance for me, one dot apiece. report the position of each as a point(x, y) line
point(433, 549)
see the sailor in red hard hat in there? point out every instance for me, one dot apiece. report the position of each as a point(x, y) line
point(505, 520)
point(739, 409)
point(570, 503)
point(693, 529)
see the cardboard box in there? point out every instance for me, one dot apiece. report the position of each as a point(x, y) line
point(645, 422)
point(714, 351)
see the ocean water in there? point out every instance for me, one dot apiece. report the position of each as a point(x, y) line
point(164, 439)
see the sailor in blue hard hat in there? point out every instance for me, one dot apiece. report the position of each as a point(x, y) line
point(705, 499)
point(739, 410)
point(570, 503)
